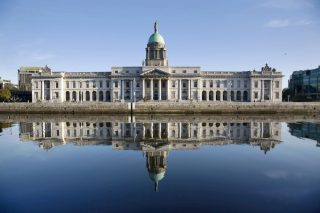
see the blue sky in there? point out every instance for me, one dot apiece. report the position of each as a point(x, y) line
point(93, 35)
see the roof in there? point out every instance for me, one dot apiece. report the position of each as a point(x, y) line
point(30, 68)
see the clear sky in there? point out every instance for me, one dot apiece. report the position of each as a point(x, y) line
point(93, 35)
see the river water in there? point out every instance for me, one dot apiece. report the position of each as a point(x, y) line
point(159, 163)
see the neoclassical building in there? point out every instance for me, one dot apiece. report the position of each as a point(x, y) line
point(155, 80)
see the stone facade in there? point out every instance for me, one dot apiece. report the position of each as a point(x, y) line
point(156, 80)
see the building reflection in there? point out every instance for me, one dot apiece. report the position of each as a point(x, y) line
point(154, 139)
point(306, 130)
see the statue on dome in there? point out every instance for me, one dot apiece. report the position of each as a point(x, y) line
point(156, 27)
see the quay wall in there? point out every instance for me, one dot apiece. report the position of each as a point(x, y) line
point(162, 108)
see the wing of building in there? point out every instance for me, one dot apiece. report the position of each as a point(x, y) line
point(156, 80)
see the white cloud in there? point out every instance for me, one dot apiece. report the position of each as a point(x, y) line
point(288, 4)
point(280, 23)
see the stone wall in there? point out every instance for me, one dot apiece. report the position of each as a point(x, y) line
point(162, 108)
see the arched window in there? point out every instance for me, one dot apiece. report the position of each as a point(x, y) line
point(238, 96)
point(211, 96)
point(204, 95)
point(108, 98)
point(245, 96)
point(87, 96)
point(74, 96)
point(94, 95)
point(67, 96)
point(100, 96)
point(232, 95)
point(218, 93)
point(225, 95)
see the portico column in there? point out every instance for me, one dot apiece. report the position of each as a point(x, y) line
point(159, 90)
point(271, 90)
point(168, 93)
point(189, 89)
point(151, 130)
point(122, 89)
point(143, 88)
point(160, 130)
point(42, 90)
point(179, 90)
point(151, 89)
point(131, 90)
point(262, 88)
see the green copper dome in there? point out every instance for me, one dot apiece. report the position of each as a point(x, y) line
point(156, 38)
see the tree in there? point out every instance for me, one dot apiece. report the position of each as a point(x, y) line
point(5, 94)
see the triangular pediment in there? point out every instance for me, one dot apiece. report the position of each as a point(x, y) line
point(155, 73)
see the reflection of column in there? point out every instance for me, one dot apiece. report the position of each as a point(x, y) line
point(144, 131)
point(168, 129)
point(160, 130)
point(122, 89)
point(143, 88)
point(151, 89)
point(271, 90)
point(179, 131)
point(159, 90)
point(131, 90)
point(151, 130)
point(241, 96)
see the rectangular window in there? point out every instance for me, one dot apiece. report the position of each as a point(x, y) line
point(107, 84)
point(57, 84)
point(238, 83)
point(87, 84)
point(173, 83)
point(173, 95)
point(116, 84)
point(204, 84)
point(137, 84)
point(94, 85)
point(74, 84)
point(36, 95)
point(173, 71)
point(277, 95)
point(57, 133)
point(256, 95)
point(101, 84)
point(256, 84)
point(148, 84)
point(232, 83)
point(80, 84)
point(225, 83)
point(184, 85)
point(195, 83)
point(127, 84)
point(56, 95)
point(184, 71)
point(245, 84)
point(67, 84)
point(37, 85)
point(277, 84)
point(218, 83)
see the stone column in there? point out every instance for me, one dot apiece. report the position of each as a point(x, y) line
point(134, 90)
point(159, 130)
point(143, 131)
point(151, 89)
point(179, 91)
point(143, 89)
point(271, 90)
point(151, 130)
point(179, 130)
point(122, 90)
point(262, 90)
point(168, 129)
point(131, 90)
point(159, 90)
point(42, 90)
point(168, 92)
point(189, 89)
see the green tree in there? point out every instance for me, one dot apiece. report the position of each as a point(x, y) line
point(5, 94)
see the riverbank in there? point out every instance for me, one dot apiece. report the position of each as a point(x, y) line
point(162, 108)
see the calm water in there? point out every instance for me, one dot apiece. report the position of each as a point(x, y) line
point(159, 164)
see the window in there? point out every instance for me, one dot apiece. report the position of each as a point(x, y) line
point(256, 84)
point(195, 83)
point(57, 133)
point(36, 95)
point(232, 83)
point(184, 85)
point(37, 85)
point(256, 95)
point(173, 71)
point(57, 84)
point(204, 84)
point(116, 84)
point(107, 84)
point(116, 71)
point(80, 84)
point(137, 84)
point(127, 84)
point(173, 95)
point(67, 84)
point(218, 83)
point(225, 83)
point(277, 95)
point(56, 95)
point(101, 84)
point(184, 71)
point(87, 84)
point(245, 84)
point(238, 83)
point(173, 83)
point(277, 84)
point(74, 84)
point(94, 85)
point(195, 71)
point(211, 84)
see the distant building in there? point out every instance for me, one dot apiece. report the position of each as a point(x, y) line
point(306, 84)
point(4, 82)
point(156, 80)
point(25, 74)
